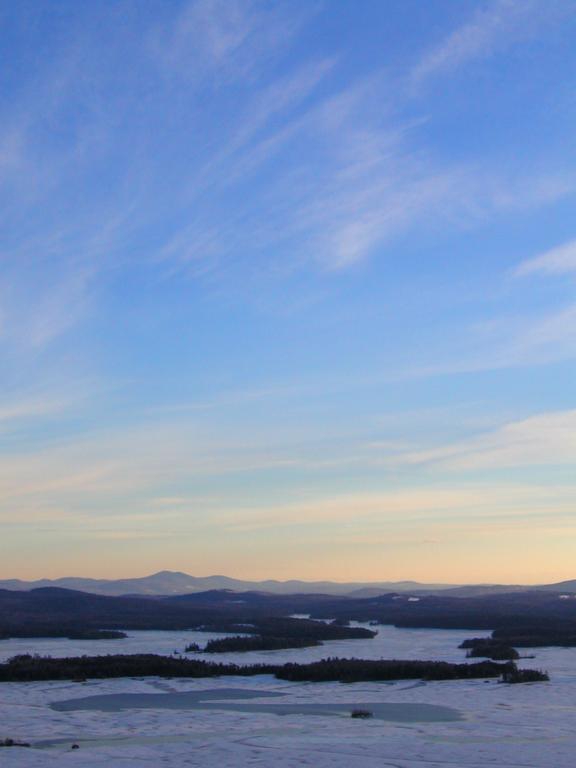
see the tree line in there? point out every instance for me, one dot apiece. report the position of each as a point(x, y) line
point(26, 667)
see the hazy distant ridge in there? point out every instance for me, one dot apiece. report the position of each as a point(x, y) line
point(177, 583)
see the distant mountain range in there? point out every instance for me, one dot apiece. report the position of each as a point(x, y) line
point(177, 583)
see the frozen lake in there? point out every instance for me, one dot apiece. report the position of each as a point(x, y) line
point(232, 722)
point(389, 643)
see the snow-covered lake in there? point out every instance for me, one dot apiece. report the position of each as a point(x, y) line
point(507, 726)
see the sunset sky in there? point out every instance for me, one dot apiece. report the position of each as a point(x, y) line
point(288, 289)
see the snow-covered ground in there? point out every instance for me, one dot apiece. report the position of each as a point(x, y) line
point(507, 726)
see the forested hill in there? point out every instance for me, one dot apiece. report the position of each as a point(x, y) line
point(61, 612)
point(54, 612)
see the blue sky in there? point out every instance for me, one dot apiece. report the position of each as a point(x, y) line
point(287, 289)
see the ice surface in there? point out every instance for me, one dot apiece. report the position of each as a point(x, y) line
point(234, 701)
point(520, 726)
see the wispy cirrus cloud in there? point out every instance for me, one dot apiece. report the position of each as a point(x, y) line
point(366, 178)
point(546, 338)
point(560, 260)
point(494, 26)
point(24, 410)
point(227, 40)
point(543, 440)
point(364, 182)
point(358, 175)
point(522, 340)
point(36, 313)
point(431, 505)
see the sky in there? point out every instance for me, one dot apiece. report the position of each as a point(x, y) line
point(288, 289)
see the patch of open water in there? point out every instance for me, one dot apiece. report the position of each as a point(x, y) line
point(232, 700)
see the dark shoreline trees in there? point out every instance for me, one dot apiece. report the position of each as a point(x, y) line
point(504, 639)
point(515, 675)
point(554, 634)
point(27, 668)
point(258, 643)
point(489, 648)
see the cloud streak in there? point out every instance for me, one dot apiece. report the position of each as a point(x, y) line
point(494, 26)
point(557, 261)
point(405, 506)
point(544, 440)
point(226, 40)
